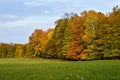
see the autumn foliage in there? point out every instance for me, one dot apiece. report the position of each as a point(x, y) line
point(90, 35)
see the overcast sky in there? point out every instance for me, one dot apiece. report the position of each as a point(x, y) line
point(19, 18)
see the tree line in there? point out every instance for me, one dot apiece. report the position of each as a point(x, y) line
point(88, 36)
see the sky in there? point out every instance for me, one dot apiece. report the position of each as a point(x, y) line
point(19, 18)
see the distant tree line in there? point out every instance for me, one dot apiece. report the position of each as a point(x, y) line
point(88, 36)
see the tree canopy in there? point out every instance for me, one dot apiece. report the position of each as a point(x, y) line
point(90, 35)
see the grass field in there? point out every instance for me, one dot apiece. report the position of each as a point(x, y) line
point(44, 69)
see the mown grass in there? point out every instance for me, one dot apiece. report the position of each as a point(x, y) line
point(44, 69)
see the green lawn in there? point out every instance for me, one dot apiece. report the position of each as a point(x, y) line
point(44, 69)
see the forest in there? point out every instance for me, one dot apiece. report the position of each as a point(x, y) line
point(91, 35)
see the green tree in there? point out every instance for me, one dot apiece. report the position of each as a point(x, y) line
point(58, 44)
point(91, 26)
point(113, 34)
point(19, 53)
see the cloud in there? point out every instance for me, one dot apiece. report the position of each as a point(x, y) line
point(37, 3)
point(28, 24)
point(33, 3)
point(19, 31)
point(8, 17)
point(19, 18)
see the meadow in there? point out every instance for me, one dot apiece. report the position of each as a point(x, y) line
point(45, 69)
